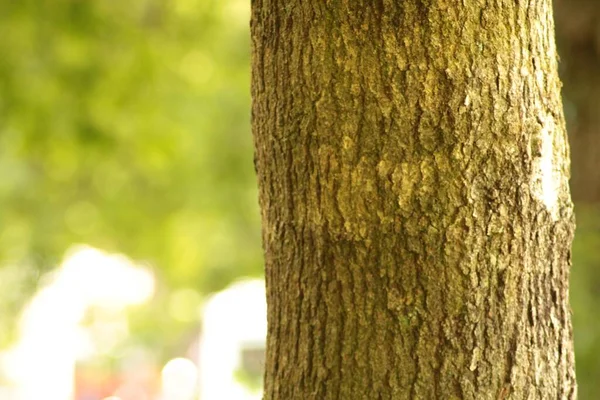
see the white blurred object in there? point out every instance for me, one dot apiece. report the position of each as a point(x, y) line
point(106, 280)
point(42, 364)
point(234, 324)
point(179, 379)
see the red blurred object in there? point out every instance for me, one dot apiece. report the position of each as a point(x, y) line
point(93, 382)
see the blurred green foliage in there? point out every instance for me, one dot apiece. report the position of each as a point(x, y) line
point(585, 295)
point(126, 125)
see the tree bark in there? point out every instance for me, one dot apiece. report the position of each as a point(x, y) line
point(413, 180)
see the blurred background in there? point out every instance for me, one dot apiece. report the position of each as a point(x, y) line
point(130, 254)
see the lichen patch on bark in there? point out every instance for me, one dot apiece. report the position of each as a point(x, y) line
point(549, 154)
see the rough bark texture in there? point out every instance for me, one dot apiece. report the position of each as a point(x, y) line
point(412, 165)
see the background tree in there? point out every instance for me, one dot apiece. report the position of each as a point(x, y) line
point(417, 224)
point(578, 37)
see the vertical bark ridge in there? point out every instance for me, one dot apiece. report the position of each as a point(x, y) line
point(412, 166)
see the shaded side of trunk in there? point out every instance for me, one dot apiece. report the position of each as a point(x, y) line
point(412, 166)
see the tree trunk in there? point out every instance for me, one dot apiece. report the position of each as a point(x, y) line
point(412, 165)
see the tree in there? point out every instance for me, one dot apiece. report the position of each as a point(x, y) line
point(413, 180)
